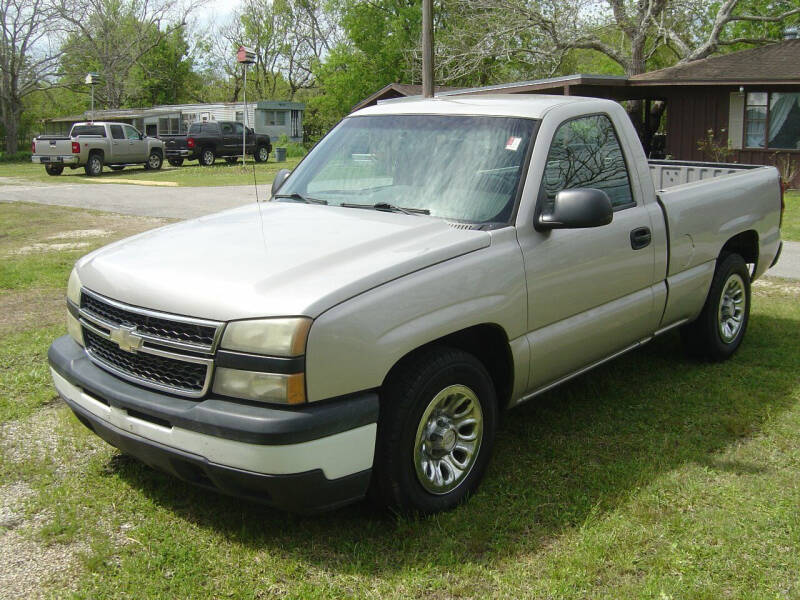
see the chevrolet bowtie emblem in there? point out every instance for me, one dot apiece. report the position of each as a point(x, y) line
point(125, 338)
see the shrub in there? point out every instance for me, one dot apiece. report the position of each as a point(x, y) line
point(18, 156)
point(293, 149)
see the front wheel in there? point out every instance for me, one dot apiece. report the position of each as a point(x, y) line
point(207, 157)
point(54, 169)
point(718, 332)
point(175, 162)
point(262, 154)
point(435, 432)
point(154, 161)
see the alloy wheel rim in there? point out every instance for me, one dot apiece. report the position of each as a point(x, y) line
point(731, 309)
point(262, 154)
point(208, 157)
point(448, 439)
point(153, 161)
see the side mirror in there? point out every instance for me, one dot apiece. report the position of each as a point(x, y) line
point(578, 208)
point(141, 136)
point(280, 177)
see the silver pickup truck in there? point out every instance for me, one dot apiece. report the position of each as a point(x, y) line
point(429, 264)
point(94, 144)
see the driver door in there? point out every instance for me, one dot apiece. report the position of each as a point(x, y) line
point(589, 291)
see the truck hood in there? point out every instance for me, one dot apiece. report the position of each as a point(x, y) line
point(270, 259)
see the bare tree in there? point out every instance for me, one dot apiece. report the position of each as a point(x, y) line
point(28, 57)
point(540, 32)
point(115, 34)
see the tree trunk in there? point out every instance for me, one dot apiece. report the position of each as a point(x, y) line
point(12, 117)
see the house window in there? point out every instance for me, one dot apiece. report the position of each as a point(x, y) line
point(275, 117)
point(240, 116)
point(772, 120)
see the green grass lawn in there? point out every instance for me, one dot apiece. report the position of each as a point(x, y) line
point(190, 174)
point(791, 217)
point(654, 476)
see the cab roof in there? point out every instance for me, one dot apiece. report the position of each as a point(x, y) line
point(531, 106)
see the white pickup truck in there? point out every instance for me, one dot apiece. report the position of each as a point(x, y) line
point(92, 145)
point(429, 264)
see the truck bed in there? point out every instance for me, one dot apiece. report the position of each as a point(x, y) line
point(669, 173)
point(705, 202)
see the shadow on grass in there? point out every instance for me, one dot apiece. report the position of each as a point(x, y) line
point(571, 455)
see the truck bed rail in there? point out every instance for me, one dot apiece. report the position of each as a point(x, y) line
point(669, 173)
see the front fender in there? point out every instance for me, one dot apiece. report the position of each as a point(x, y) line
point(352, 346)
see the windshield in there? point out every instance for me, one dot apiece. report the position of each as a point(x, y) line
point(463, 168)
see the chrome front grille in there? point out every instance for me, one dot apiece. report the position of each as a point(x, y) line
point(158, 350)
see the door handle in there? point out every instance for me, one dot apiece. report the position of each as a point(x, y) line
point(640, 238)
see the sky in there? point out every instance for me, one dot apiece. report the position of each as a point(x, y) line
point(216, 11)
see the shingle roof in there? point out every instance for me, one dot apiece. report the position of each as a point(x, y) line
point(396, 90)
point(773, 62)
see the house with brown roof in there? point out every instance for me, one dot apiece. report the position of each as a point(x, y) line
point(750, 100)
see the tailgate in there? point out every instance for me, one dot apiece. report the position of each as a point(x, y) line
point(174, 142)
point(53, 148)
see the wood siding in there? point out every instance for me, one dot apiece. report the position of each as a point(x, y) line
point(692, 111)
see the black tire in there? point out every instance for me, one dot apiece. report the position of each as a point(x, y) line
point(117, 167)
point(438, 372)
point(207, 157)
point(231, 160)
point(154, 161)
point(719, 330)
point(94, 166)
point(54, 169)
point(175, 162)
point(262, 154)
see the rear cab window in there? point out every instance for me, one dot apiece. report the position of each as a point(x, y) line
point(88, 130)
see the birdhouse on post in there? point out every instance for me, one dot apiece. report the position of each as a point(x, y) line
point(246, 55)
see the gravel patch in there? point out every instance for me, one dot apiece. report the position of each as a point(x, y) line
point(80, 233)
point(42, 247)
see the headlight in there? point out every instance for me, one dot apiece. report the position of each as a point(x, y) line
point(273, 337)
point(74, 328)
point(74, 288)
point(263, 387)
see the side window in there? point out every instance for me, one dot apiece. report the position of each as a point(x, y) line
point(131, 133)
point(227, 129)
point(239, 128)
point(116, 132)
point(585, 153)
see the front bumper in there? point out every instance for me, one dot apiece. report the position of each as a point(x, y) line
point(69, 159)
point(305, 460)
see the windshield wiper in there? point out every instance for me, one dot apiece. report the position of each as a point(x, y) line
point(301, 197)
point(389, 207)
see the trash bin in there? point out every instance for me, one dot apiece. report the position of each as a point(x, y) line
point(280, 154)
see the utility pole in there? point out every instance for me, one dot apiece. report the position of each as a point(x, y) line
point(427, 48)
point(247, 57)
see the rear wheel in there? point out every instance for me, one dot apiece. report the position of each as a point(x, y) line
point(175, 162)
point(94, 166)
point(207, 157)
point(719, 330)
point(262, 154)
point(54, 169)
point(435, 432)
